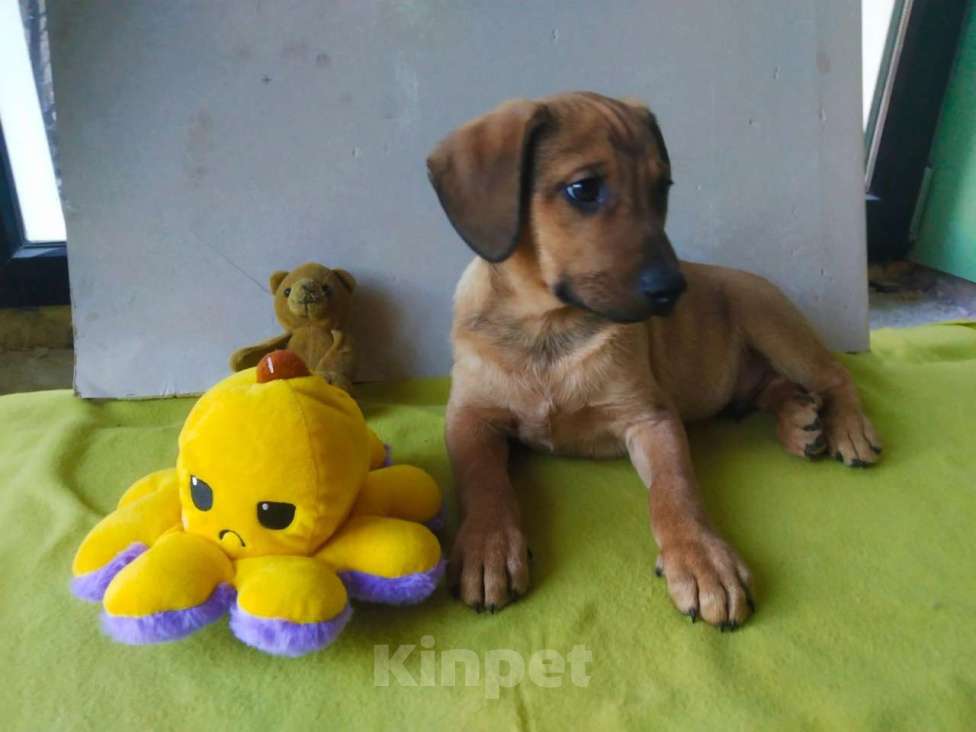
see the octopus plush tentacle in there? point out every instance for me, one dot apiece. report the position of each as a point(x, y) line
point(288, 605)
point(159, 481)
point(168, 625)
point(283, 637)
point(177, 586)
point(91, 586)
point(399, 491)
point(385, 560)
point(146, 511)
point(409, 589)
point(380, 453)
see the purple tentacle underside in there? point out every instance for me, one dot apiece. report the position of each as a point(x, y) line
point(170, 624)
point(436, 524)
point(283, 637)
point(92, 586)
point(407, 590)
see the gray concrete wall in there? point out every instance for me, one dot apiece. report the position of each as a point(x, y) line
point(205, 144)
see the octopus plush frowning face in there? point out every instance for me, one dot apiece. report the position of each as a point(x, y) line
point(271, 463)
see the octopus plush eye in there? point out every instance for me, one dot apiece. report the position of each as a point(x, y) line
point(272, 515)
point(201, 493)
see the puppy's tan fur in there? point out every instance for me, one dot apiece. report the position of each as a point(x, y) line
point(545, 351)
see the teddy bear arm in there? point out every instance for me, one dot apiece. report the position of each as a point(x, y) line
point(249, 356)
point(385, 560)
point(177, 586)
point(288, 605)
point(150, 508)
point(399, 491)
point(338, 365)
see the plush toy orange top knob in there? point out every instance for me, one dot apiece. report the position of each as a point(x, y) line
point(281, 365)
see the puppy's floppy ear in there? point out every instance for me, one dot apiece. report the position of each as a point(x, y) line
point(276, 279)
point(652, 122)
point(479, 173)
point(347, 280)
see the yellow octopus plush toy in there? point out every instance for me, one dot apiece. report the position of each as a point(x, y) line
point(279, 509)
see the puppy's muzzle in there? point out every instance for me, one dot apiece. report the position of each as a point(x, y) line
point(662, 286)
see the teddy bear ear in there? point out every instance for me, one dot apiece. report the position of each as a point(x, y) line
point(346, 279)
point(276, 279)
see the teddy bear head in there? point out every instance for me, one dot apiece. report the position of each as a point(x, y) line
point(312, 293)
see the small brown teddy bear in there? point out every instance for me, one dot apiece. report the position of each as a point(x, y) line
point(312, 304)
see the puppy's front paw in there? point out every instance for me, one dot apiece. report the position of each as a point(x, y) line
point(489, 565)
point(707, 579)
point(851, 438)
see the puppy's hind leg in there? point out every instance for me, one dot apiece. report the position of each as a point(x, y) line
point(776, 329)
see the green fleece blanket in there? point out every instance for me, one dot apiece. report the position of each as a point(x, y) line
point(866, 583)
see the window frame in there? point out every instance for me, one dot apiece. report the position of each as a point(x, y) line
point(32, 273)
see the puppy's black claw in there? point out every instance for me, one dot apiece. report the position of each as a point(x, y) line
point(876, 449)
point(815, 448)
point(751, 603)
point(528, 551)
point(693, 614)
point(478, 608)
point(855, 463)
point(658, 571)
point(492, 608)
point(838, 457)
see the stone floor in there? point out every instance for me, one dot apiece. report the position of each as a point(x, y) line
point(915, 295)
point(35, 349)
point(35, 344)
point(36, 369)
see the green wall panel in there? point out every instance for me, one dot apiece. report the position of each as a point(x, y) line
point(947, 233)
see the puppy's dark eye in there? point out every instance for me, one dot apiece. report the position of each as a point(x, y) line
point(201, 494)
point(326, 290)
point(272, 515)
point(586, 194)
point(287, 291)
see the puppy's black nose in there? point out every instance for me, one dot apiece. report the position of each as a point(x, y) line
point(662, 286)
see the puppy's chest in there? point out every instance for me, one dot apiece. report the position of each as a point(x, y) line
point(555, 420)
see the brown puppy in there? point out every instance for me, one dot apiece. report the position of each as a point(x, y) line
point(564, 200)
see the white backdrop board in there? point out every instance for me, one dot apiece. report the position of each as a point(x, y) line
point(205, 144)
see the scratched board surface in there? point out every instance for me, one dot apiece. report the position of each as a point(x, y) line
point(206, 144)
